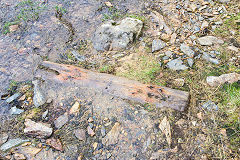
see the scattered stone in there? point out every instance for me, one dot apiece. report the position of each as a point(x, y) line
point(75, 108)
point(103, 131)
point(204, 24)
point(179, 82)
point(90, 131)
point(209, 40)
point(39, 97)
point(112, 136)
point(229, 78)
point(30, 150)
point(190, 62)
point(80, 134)
point(90, 119)
point(79, 57)
point(157, 45)
point(61, 121)
point(224, 1)
point(55, 143)
point(3, 138)
point(166, 129)
point(22, 98)
point(233, 48)
point(95, 144)
point(176, 64)
point(108, 4)
point(13, 97)
point(39, 130)
point(116, 35)
point(209, 58)
point(186, 49)
point(15, 111)
point(210, 105)
point(12, 143)
point(19, 156)
point(13, 28)
point(44, 115)
point(169, 53)
point(173, 38)
point(165, 37)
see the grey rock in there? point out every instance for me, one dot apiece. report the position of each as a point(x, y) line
point(190, 62)
point(209, 58)
point(157, 45)
point(3, 138)
point(215, 81)
point(176, 64)
point(224, 1)
point(103, 131)
point(61, 121)
point(112, 136)
point(116, 35)
point(187, 50)
point(79, 57)
point(13, 97)
point(165, 58)
point(209, 40)
point(90, 125)
point(39, 97)
point(210, 106)
point(80, 134)
point(12, 143)
point(169, 53)
point(44, 115)
point(39, 130)
point(15, 111)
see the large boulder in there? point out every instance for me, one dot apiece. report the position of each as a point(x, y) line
point(116, 35)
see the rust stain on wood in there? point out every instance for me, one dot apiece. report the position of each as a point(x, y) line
point(120, 87)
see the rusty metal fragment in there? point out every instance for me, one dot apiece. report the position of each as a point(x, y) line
point(117, 86)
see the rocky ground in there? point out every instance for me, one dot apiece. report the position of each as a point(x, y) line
point(188, 45)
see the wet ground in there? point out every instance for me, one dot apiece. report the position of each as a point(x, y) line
point(51, 30)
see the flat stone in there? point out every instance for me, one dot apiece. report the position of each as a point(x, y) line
point(233, 48)
point(39, 130)
point(19, 156)
point(3, 138)
point(179, 82)
point(13, 97)
point(80, 134)
point(187, 50)
point(210, 105)
point(219, 80)
point(12, 143)
point(39, 97)
point(14, 111)
point(112, 136)
point(224, 1)
point(116, 35)
point(176, 64)
point(75, 108)
point(190, 62)
point(209, 40)
point(157, 45)
point(209, 58)
point(90, 131)
point(103, 131)
point(55, 143)
point(61, 121)
point(79, 57)
point(169, 53)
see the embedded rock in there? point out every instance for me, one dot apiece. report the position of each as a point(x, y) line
point(39, 130)
point(116, 35)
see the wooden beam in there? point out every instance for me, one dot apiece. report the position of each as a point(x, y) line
point(118, 86)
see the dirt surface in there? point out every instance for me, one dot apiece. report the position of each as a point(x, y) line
point(97, 125)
